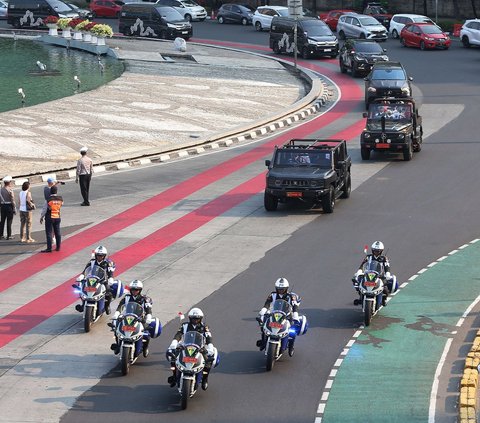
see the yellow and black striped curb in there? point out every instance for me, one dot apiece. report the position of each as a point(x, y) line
point(467, 403)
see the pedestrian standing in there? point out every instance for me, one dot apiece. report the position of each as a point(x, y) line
point(84, 174)
point(51, 182)
point(51, 214)
point(7, 207)
point(26, 207)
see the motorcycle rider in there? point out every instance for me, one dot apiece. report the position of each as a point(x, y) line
point(280, 293)
point(195, 316)
point(99, 258)
point(135, 294)
point(377, 255)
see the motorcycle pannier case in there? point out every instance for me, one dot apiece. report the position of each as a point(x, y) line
point(117, 289)
point(155, 328)
point(301, 326)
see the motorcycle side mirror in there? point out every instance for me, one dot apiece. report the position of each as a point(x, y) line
point(365, 114)
point(80, 278)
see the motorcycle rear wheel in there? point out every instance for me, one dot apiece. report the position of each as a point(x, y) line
point(125, 360)
point(186, 388)
point(88, 318)
point(368, 312)
point(271, 353)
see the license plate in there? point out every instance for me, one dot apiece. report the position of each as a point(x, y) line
point(370, 284)
point(90, 289)
point(382, 145)
point(294, 194)
point(128, 328)
point(189, 359)
point(327, 49)
point(276, 325)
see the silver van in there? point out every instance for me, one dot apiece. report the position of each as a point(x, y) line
point(360, 26)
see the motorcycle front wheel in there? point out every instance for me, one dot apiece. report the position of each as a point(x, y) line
point(368, 312)
point(186, 388)
point(125, 360)
point(88, 318)
point(271, 350)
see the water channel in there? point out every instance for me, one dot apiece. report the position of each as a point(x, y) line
point(19, 70)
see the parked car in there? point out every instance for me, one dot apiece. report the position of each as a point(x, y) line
point(190, 10)
point(360, 26)
point(379, 13)
point(399, 20)
point(387, 79)
point(262, 18)
point(360, 55)
point(106, 8)
point(152, 20)
point(314, 37)
point(470, 33)
point(425, 36)
point(331, 18)
point(28, 14)
point(3, 9)
point(83, 13)
point(234, 13)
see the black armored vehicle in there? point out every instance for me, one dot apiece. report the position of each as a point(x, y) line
point(310, 170)
point(393, 125)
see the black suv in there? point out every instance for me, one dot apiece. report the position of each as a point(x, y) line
point(360, 55)
point(387, 79)
point(311, 170)
point(393, 125)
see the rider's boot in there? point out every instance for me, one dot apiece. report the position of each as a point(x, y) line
point(145, 348)
point(172, 380)
point(205, 380)
point(291, 347)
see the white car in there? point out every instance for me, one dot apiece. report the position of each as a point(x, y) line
point(360, 26)
point(190, 10)
point(262, 18)
point(399, 20)
point(3, 9)
point(470, 33)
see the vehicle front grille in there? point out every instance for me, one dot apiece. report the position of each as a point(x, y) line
point(292, 183)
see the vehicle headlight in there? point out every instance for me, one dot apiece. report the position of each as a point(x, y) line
point(385, 58)
point(366, 135)
point(372, 90)
point(171, 25)
point(359, 58)
point(401, 136)
point(278, 182)
point(406, 90)
point(429, 38)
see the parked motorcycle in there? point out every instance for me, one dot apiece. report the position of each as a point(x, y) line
point(280, 332)
point(90, 286)
point(370, 288)
point(131, 336)
point(189, 364)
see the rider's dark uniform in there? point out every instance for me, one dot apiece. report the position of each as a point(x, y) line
point(290, 297)
point(109, 267)
point(143, 300)
point(380, 259)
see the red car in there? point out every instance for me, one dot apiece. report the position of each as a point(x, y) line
point(331, 18)
point(106, 8)
point(424, 35)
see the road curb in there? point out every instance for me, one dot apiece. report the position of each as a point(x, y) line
point(467, 403)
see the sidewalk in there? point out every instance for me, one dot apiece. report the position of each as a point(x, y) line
point(164, 101)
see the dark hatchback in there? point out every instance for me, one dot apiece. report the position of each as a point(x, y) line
point(387, 79)
point(235, 13)
point(359, 56)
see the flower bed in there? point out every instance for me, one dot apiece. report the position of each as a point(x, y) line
point(62, 23)
point(102, 30)
point(50, 20)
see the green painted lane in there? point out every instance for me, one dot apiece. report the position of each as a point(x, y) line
point(390, 369)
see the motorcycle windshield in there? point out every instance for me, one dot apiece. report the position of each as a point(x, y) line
point(133, 308)
point(373, 266)
point(95, 271)
point(282, 306)
point(193, 338)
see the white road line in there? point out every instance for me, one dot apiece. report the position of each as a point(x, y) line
point(433, 393)
point(432, 264)
point(413, 278)
point(357, 334)
point(350, 343)
point(329, 384)
point(422, 271)
point(333, 373)
point(442, 258)
point(338, 363)
point(463, 246)
point(452, 252)
point(325, 396)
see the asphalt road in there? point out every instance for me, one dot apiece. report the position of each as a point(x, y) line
point(421, 210)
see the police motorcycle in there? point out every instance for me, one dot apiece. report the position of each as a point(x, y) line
point(90, 286)
point(132, 336)
point(279, 332)
point(370, 287)
point(189, 364)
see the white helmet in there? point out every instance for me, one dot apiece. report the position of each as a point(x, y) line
point(135, 285)
point(100, 253)
point(377, 248)
point(195, 314)
point(281, 286)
